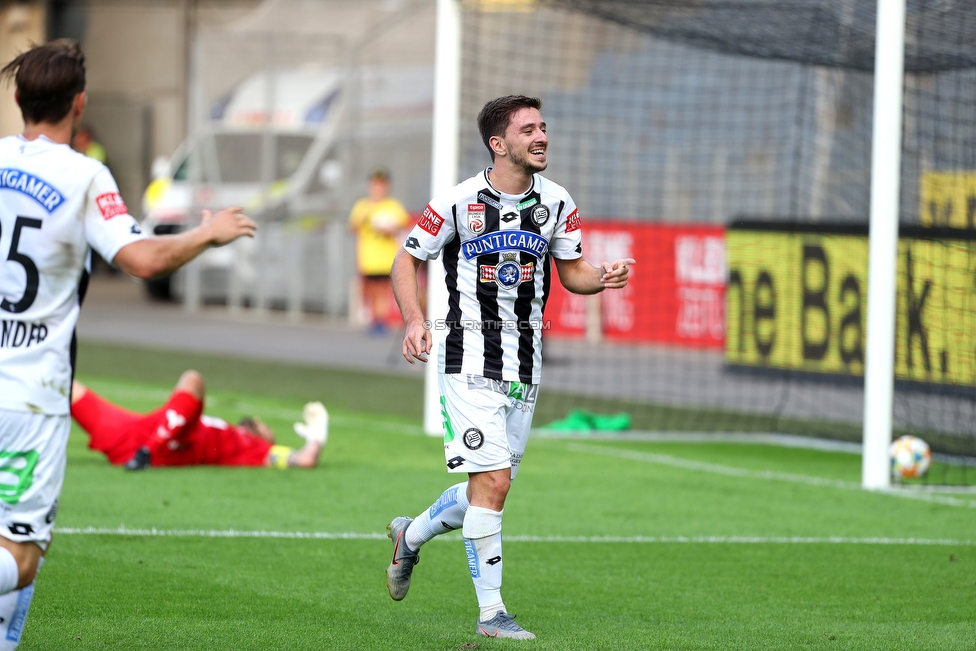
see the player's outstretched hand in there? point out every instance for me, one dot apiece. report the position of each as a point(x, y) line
point(615, 274)
point(227, 225)
point(417, 341)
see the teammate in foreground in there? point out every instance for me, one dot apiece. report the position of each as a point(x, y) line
point(55, 206)
point(178, 434)
point(498, 232)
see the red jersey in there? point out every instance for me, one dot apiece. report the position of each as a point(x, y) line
point(177, 433)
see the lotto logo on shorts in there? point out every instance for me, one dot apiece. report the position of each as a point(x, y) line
point(573, 222)
point(431, 221)
point(111, 205)
point(456, 462)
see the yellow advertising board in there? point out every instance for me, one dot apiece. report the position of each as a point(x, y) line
point(947, 199)
point(797, 300)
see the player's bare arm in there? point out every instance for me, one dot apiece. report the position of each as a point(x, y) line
point(416, 340)
point(581, 277)
point(167, 253)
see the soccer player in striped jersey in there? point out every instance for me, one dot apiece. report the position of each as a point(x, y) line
point(499, 232)
point(56, 205)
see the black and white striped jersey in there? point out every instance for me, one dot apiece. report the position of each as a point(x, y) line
point(497, 249)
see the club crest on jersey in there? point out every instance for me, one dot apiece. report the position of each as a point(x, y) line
point(499, 241)
point(476, 218)
point(507, 274)
point(540, 215)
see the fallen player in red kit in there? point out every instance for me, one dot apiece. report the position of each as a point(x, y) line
point(179, 434)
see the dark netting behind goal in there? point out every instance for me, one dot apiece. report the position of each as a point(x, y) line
point(727, 146)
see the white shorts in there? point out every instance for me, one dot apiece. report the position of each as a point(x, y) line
point(486, 422)
point(33, 450)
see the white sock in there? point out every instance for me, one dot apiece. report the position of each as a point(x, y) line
point(446, 514)
point(13, 613)
point(483, 544)
point(9, 573)
point(487, 612)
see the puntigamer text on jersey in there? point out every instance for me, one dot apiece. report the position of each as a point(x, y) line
point(505, 241)
point(37, 189)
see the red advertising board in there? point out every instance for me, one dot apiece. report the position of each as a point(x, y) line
point(676, 292)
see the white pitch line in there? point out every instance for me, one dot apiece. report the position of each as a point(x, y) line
point(325, 535)
point(744, 540)
point(767, 475)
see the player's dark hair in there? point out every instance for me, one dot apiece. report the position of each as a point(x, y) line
point(47, 78)
point(249, 424)
point(495, 115)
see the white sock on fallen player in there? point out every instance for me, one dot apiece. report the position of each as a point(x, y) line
point(13, 613)
point(446, 514)
point(482, 531)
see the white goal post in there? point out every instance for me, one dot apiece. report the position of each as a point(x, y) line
point(879, 367)
point(445, 159)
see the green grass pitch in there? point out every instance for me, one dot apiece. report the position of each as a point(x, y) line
point(609, 545)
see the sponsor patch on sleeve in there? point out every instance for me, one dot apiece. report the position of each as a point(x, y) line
point(431, 221)
point(111, 205)
point(573, 222)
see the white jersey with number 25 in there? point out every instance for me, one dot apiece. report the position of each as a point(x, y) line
point(54, 204)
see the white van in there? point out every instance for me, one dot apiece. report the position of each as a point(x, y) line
point(293, 157)
point(247, 155)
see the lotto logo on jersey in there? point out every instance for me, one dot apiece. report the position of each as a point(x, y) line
point(431, 221)
point(573, 222)
point(111, 205)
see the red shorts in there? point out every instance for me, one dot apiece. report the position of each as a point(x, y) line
point(118, 433)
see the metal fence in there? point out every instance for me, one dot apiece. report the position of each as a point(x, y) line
point(290, 108)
